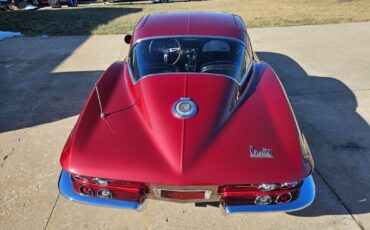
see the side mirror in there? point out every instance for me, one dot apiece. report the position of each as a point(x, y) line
point(128, 38)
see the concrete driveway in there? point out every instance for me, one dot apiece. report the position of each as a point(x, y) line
point(44, 83)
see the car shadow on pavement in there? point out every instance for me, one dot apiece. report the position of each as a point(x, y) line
point(61, 96)
point(31, 91)
point(338, 137)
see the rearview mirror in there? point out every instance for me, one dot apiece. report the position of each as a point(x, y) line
point(128, 38)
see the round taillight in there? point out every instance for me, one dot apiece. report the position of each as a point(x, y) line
point(283, 198)
point(87, 191)
point(263, 200)
point(267, 187)
point(99, 181)
point(103, 193)
point(289, 185)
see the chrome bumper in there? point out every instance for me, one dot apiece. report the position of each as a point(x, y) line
point(306, 197)
point(66, 189)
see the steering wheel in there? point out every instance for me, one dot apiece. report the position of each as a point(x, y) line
point(169, 48)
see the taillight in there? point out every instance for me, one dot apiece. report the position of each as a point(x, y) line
point(260, 194)
point(85, 190)
point(104, 193)
point(109, 189)
point(263, 200)
point(283, 198)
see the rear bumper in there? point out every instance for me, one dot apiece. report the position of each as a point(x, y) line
point(66, 189)
point(306, 197)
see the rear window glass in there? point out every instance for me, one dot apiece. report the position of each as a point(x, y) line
point(212, 55)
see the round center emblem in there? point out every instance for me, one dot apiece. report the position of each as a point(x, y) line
point(185, 108)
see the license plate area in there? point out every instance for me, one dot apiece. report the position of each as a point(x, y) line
point(182, 194)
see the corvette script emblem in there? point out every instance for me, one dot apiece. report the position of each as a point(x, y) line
point(264, 153)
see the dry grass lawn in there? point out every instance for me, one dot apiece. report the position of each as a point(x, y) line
point(121, 18)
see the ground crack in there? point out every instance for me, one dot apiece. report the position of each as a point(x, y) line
point(359, 224)
point(52, 211)
point(6, 157)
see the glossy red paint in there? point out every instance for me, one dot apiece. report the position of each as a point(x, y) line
point(147, 143)
point(190, 23)
point(140, 139)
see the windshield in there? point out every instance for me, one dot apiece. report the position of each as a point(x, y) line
point(214, 55)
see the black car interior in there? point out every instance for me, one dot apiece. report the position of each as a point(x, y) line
point(186, 54)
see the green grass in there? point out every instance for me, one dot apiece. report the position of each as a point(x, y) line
point(121, 18)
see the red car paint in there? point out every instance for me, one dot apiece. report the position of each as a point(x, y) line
point(190, 23)
point(141, 140)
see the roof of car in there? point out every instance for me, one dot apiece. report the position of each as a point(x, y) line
point(190, 23)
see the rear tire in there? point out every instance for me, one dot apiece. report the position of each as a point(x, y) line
point(55, 3)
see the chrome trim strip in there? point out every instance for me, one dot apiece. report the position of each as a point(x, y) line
point(306, 197)
point(130, 71)
point(188, 73)
point(66, 189)
point(246, 73)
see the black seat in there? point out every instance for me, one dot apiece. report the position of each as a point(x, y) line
point(159, 68)
point(220, 67)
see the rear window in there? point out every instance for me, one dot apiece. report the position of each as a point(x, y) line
point(212, 55)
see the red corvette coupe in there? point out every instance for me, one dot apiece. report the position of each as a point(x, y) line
point(191, 116)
